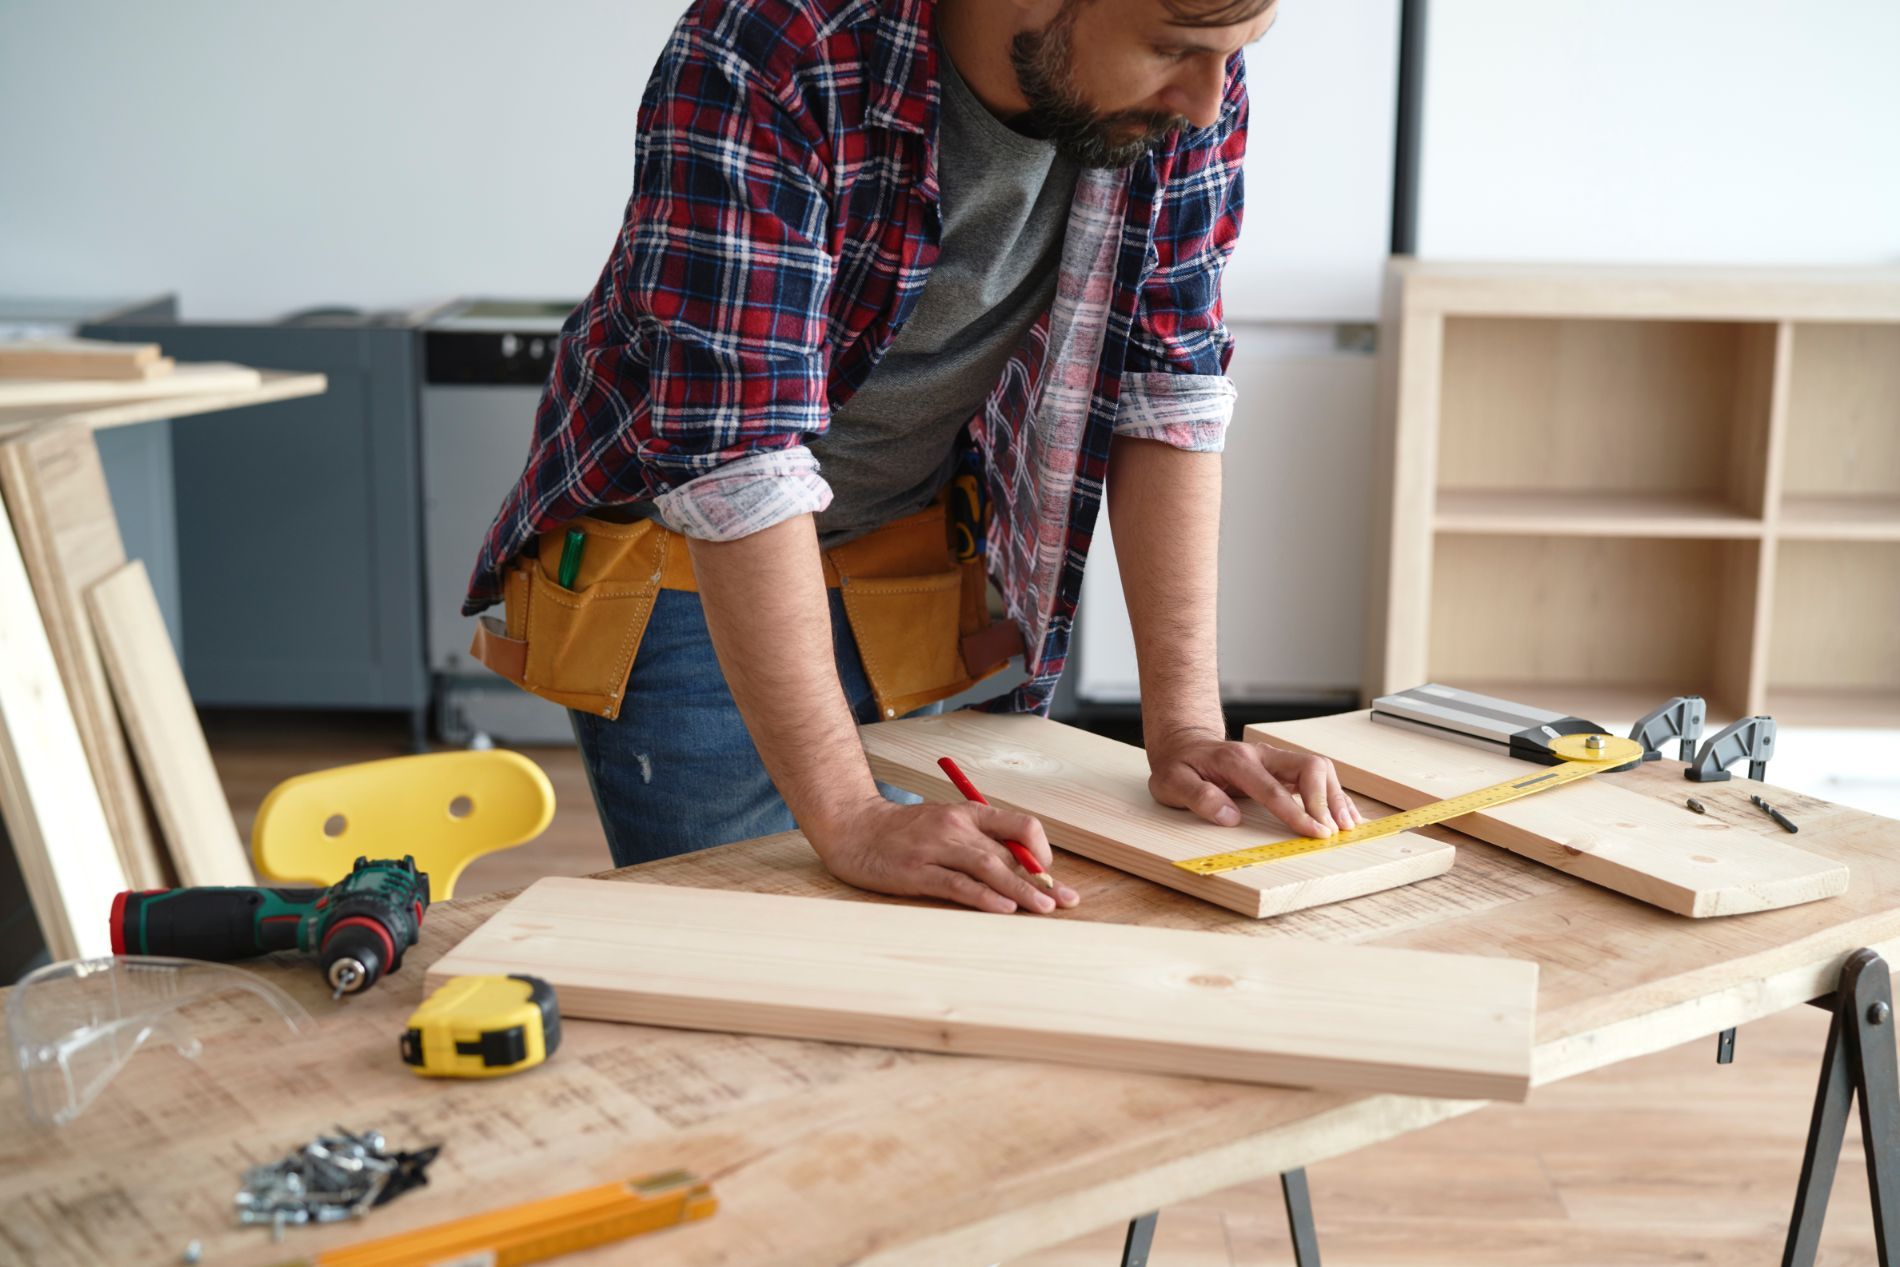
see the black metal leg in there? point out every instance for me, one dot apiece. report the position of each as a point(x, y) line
point(1725, 1047)
point(1141, 1238)
point(1859, 1058)
point(1299, 1218)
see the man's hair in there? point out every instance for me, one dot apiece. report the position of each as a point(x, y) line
point(1215, 12)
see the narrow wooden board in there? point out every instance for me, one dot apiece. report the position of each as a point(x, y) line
point(1154, 1000)
point(50, 806)
point(1652, 850)
point(1091, 795)
point(184, 380)
point(69, 538)
point(200, 834)
point(82, 358)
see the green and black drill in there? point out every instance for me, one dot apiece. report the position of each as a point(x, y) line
point(358, 927)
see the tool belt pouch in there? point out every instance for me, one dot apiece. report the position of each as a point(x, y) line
point(921, 619)
point(575, 646)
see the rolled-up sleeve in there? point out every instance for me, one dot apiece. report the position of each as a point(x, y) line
point(1174, 386)
point(719, 293)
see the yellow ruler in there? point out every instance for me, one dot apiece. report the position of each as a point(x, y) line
point(538, 1230)
point(1583, 756)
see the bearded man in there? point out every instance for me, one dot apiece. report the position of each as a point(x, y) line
point(904, 287)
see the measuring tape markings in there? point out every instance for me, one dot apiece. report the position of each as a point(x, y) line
point(1616, 753)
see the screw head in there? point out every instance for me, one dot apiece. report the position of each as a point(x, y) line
point(1878, 1014)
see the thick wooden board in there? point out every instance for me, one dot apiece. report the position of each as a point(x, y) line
point(1152, 1000)
point(275, 385)
point(1091, 795)
point(1598, 829)
point(184, 380)
point(47, 797)
point(69, 537)
point(200, 834)
point(82, 358)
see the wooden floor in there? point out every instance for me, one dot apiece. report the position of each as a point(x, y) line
point(1670, 1159)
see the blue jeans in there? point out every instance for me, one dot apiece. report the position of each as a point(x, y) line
point(677, 771)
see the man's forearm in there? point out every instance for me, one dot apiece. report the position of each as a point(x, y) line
point(770, 620)
point(1164, 509)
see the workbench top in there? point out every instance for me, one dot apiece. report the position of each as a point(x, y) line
point(822, 1153)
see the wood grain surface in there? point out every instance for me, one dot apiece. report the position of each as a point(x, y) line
point(826, 1153)
point(1091, 795)
point(1601, 829)
point(1158, 1000)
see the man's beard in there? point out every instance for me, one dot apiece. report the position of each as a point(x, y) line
point(1045, 72)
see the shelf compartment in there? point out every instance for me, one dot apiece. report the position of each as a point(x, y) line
point(1843, 430)
point(1591, 514)
point(1547, 619)
point(1834, 637)
point(1583, 405)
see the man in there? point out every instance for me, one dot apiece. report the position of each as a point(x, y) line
point(871, 246)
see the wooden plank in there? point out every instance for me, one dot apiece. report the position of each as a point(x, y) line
point(276, 385)
point(1091, 794)
point(69, 537)
point(1146, 999)
point(47, 798)
point(200, 834)
point(1599, 830)
point(82, 358)
point(184, 380)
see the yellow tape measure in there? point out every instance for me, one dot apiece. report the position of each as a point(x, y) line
point(1580, 761)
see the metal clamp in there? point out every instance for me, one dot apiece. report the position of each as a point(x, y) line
point(1751, 737)
point(1681, 718)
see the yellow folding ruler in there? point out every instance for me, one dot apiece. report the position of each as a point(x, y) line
point(1582, 755)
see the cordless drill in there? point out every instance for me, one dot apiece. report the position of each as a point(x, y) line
point(358, 927)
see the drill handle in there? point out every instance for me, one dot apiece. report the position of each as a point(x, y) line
point(220, 924)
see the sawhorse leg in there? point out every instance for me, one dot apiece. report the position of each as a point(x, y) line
point(1299, 1218)
point(1858, 1062)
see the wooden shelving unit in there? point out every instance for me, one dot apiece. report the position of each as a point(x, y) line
point(1601, 487)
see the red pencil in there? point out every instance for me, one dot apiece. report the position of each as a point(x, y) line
point(1023, 855)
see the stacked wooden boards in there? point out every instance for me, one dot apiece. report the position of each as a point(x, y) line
point(1651, 850)
point(74, 808)
point(48, 801)
point(1273, 1010)
point(1091, 794)
point(68, 534)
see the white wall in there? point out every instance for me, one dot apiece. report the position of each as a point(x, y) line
point(1691, 131)
point(258, 157)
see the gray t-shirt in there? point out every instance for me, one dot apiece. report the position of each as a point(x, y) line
point(1005, 204)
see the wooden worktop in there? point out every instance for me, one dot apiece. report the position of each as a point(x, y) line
point(822, 1153)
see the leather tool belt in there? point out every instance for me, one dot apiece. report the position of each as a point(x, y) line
point(919, 615)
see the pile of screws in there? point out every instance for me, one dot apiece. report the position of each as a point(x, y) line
point(331, 1178)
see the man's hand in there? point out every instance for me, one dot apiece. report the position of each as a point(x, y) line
point(946, 851)
point(1202, 772)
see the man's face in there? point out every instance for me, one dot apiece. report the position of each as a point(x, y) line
point(1108, 80)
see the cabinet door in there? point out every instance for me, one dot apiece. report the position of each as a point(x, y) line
point(299, 529)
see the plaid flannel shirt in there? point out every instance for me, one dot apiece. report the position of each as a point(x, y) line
point(784, 218)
